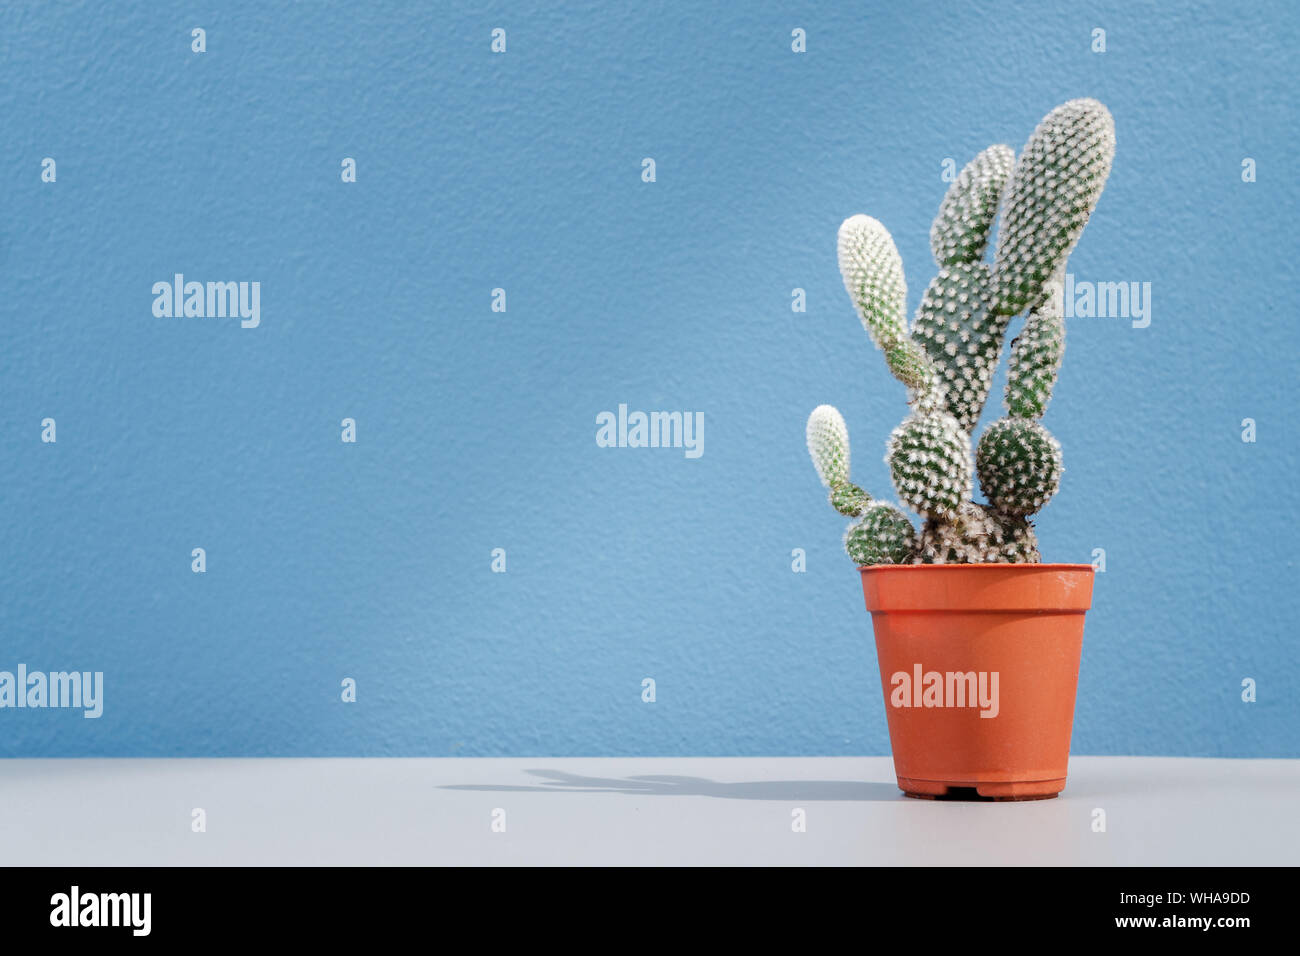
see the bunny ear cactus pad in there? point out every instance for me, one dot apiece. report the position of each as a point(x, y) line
point(1057, 182)
point(1036, 357)
point(955, 323)
point(929, 457)
point(961, 336)
point(873, 275)
point(849, 500)
point(948, 356)
point(961, 230)
point(883, 536)
point(828, 445)
point(1019, 465)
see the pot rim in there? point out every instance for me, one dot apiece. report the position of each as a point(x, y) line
point(971, 588)
point(989, 564)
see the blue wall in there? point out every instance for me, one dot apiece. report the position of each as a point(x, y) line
point(476, 430)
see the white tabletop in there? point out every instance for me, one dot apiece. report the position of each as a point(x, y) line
point(625, 810)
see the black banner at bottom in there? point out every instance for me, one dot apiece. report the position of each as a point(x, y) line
point(94, 905)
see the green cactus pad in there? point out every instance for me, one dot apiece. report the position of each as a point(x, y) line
point(1057, 182)
point(962, 337)
point(883, 536)
point(910, 364)
point(828, 444)
point(1035, 359)
point(873, 276)
point(929, 458)
point(1019, 464)
point(960, 231)
point(848, 499)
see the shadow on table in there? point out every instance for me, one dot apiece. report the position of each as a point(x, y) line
point(558, 781)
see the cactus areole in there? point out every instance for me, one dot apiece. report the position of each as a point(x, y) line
point(978, 641)
point(948, 355)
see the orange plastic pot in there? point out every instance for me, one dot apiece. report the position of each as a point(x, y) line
point(979, 665)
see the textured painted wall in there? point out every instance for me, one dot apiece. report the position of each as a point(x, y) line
point(476, 429)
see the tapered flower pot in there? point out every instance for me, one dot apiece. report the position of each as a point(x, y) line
point(979, 665)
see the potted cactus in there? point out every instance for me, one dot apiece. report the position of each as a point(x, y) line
point(978, 641)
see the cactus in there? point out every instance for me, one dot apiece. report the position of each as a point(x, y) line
point(1035, 359)
point(961, 230)
point(873, 276)
point(883, 536)
point(1019, 465)
point(929, 457)
point(961, 337)
point(948, 355)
